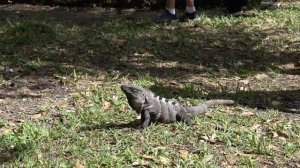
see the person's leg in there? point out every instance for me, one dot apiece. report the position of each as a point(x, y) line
point(190, 11)
point(168, 13)
point(170, 6)
point(190, 7)
point(190, 3)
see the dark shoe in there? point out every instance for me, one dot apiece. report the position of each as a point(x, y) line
point(165, 16)
point(189, 16)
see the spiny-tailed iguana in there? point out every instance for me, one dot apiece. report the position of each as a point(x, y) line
point(154, 108)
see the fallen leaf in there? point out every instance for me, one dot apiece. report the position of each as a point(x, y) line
point(123, 108)
point(261, 76)
point(5, 130)
point(211, 139)
point(36, 116)
point(208, 158)
point(255, 127)
point(247, 153)
point(26, 92)
point(275, 103)
point(141, 163)
point(282, 134)
point(209, 115)
point(148, 157)
point(272, 147)
point(165, 161)
point(79, 165)
point(106, 105)
point(248, 113)
point(297, 64)
point(183, 154)
point(270, 121)
point(173, 82)
point(118, 42)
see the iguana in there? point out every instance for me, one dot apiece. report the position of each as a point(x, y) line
point(154, 108)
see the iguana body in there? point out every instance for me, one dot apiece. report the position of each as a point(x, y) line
point(153, 108)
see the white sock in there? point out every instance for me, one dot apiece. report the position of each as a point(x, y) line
point(172, 11)
point(190, 9)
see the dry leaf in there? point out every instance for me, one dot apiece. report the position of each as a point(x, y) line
point(26, 92)
point(282, 134)
point(123, 108)
point(297, 64)
point(79, 165)
point(165, 161)
point(272, 147)
point(211, 139)
point(148, 157)
point(118, 42)
point(106, 105)
point(271, 121)
point(209, 115)
point(36, 116)
point(255, 127)
point(183, 154)
point(275, 103)
point(248, 113)
point(141, 163)
point(247, 153)
point(173, 82)
point(208, 158)
point(261, 76)
point(5, 130)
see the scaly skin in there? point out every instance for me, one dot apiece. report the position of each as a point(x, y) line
point(154, 108)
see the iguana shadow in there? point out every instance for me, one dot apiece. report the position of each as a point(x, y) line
point(132, 125)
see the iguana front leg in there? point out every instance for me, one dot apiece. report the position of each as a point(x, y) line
point(148, 115)
point(145, 118)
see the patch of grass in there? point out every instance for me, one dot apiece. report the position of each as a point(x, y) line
point(23, 141)
point(188, 62)
point(99, 135)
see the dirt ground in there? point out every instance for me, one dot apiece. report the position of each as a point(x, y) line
point(21, 97)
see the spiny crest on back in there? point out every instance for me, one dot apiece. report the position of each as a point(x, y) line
point(154, 108)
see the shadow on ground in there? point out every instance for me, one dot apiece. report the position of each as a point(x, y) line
point(131, 125)
point(43, 42)
point(286, 101)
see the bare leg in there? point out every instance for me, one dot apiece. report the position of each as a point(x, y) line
point(170, 4)
point(190, 3)
point(169, 14)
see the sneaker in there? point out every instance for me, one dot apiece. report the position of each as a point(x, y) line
point(189, 16)
point(165, 16)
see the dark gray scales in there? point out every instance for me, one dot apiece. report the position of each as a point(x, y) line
point(154, 108)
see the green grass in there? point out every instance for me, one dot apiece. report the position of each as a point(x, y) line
point(188, 62)
point(94, 136)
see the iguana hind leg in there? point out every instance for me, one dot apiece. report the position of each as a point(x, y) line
point(184, 117)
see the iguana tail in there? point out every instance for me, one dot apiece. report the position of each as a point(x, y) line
point(195, 110)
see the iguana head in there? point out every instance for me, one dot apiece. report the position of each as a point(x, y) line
point(135, 97)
